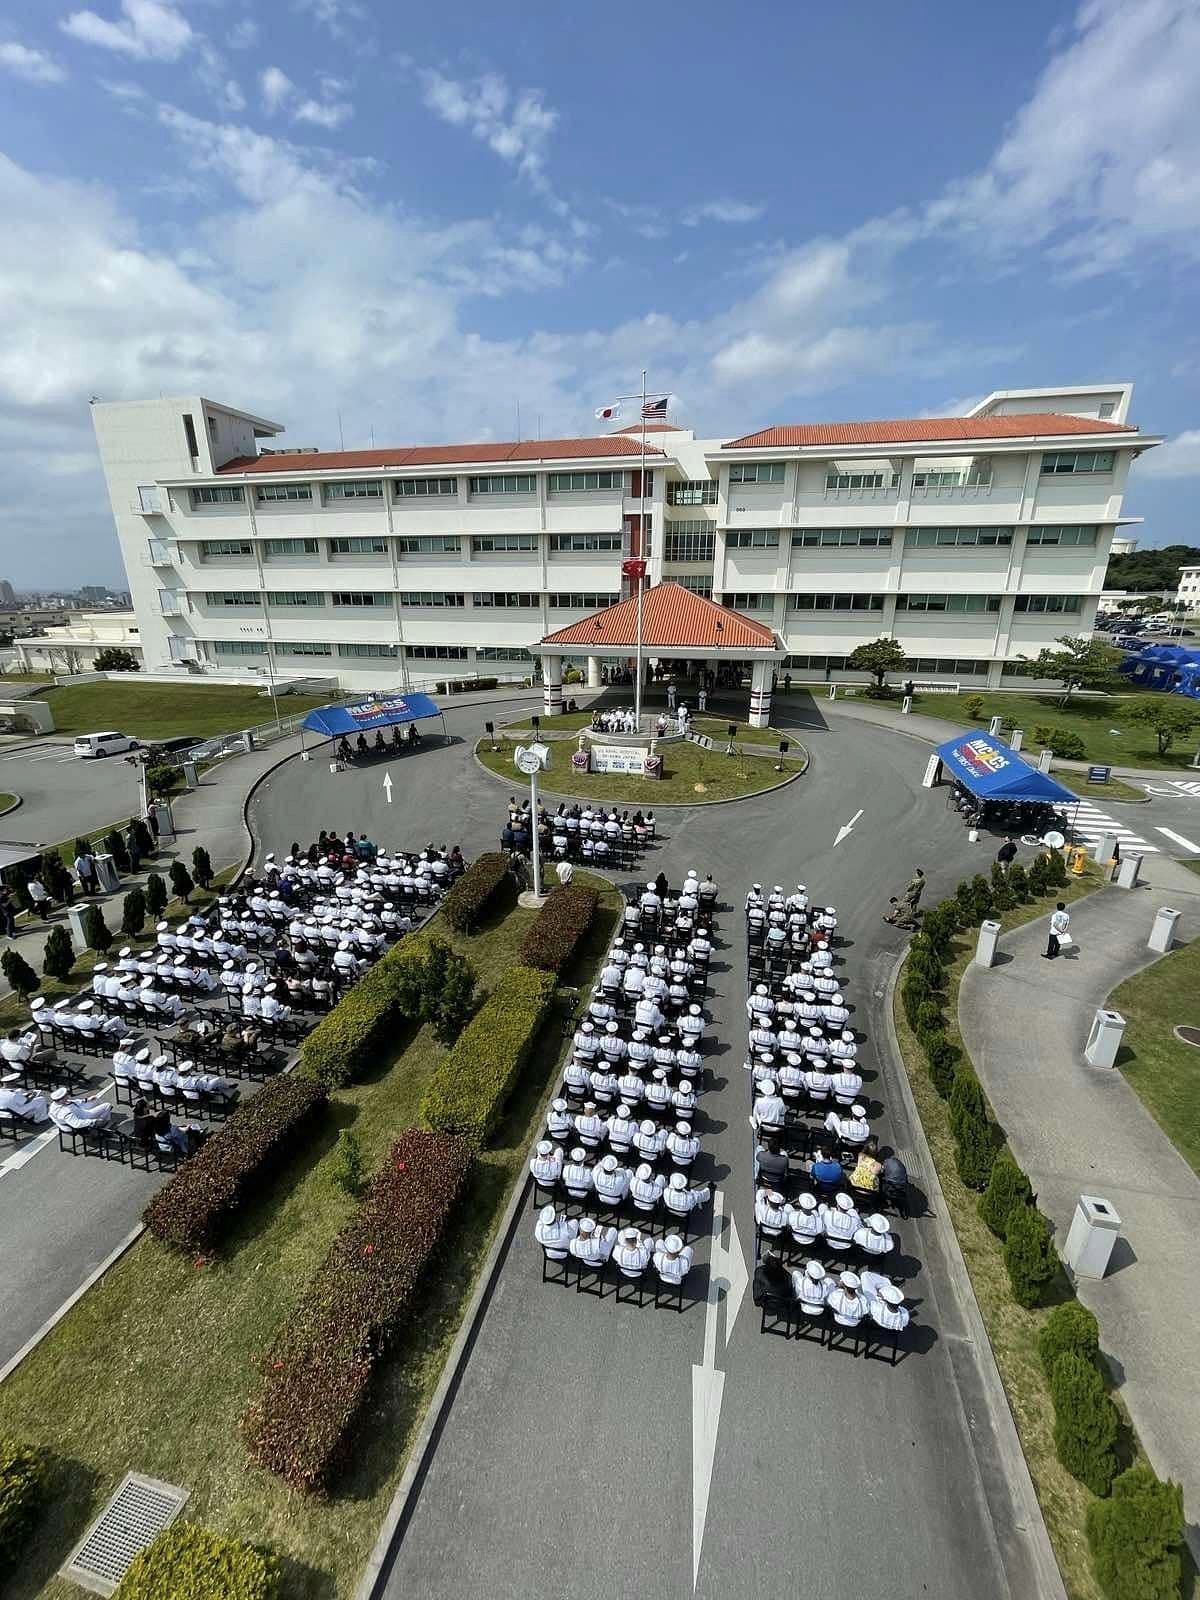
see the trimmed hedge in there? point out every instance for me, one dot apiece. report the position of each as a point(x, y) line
point(975, 1149)
point(1030, 1256)
point(486, 886)
point(559, 928)
point(186, 1562)
point(318, 1374)
point(1085, 1423)
point(22, 1486)
point(473, 1081)
point(1070, 1329)
point(1135, 1537)
point(1008, 1188)
point(194, 1207)
point(352, 1036)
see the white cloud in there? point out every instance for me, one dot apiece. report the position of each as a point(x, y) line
point(336, 15)
point(35, 66)
point(324, 113)
point(1178, 458)
point(732, 211)
point(276, 87)
point(280, 93)
point(148, 30)
point(515, 126)
point(243, 35)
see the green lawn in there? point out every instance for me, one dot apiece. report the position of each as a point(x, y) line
point(1114, 789)
point(1101, 721)
point(1165, 1071)
point(160, 1358)
point(690, 774)
point(6, 800)
point(160, 710)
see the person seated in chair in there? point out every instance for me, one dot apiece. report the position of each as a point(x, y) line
point(78, 1115)
point(27, 1104)
point(772, 1286)
point(672, 1260)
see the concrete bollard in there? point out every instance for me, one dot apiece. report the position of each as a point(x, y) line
point(985, 947)
point(75, 919)
point(1105, 845)
point(1018, 735)
point(1108, 1028)
point(1127, 871)
point(1162, 934)
point(1044, 760)
point(994, 725)
point(832, 695)
point(1091, 1237)
point(906, 705)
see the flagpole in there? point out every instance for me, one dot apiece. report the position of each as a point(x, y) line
point(640, 581)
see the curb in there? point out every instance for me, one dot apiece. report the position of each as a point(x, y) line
point(1028, 1523)
point(17, 802)
point(661, 805)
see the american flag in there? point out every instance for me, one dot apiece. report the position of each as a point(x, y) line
point(655, 408)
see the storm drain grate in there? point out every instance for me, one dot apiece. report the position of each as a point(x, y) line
point(136, 1514)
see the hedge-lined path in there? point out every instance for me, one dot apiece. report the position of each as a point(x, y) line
point(1078, 1130)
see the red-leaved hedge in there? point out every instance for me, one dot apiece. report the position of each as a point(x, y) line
point(193, 1209)
point(555, 934)
point(318, 1373)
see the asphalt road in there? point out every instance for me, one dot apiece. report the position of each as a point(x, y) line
point(566, 1463)
point(62, 795)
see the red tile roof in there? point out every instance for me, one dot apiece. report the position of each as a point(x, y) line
point(651, 427)
point(919, 430)
point(673, 618)
point(439, 455)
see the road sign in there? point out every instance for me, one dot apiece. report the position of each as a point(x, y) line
point(1099, 774)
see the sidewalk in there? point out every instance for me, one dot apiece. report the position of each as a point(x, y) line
point(1077, 1129)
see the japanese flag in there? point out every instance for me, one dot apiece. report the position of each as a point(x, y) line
point(607, 413)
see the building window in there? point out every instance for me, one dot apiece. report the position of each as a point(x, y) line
point(948, 602)
point(929, 538)
point(701, 586)
point(504, 483)
point(1107, 407)
point(582, 600)
point(1047, 603)
point(226, 547)
point(376, 652)
point(568, 543)
point(835, 602)
point(159, 552)
point(354, 491)
point(304, 648)
point(860, 538)
point(358, 546)
point(954, 666)
point(575, 482)
point(1064, 535)
point(430, 544)
point(232, 597)
point(426, 598)
point(222, 495)
point(689, 546)
point(813, 663)
point(359, 597)
point(500, 653)
point(435, 652)
point(290, 547)
point(747, 602)
point(752, 539)
point(757, 472)
point(407, 488)
point(189, 433)
point(171, 602)
point(295, 597)
point(513, 602)
point(954, 478)
point(861, 480)
point(1062, 461)
point(239, 647)
point(499, 544)
point(695, 492)
point(283, 491)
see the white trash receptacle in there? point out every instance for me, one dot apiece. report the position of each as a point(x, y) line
point(1128, 869)
point(1093, 1232)
point(1104, 1040)
point(985, 947)
point(162, 815)
point(106, 871)
point(75, 922)
point(1106, 846)
point(1162, 934)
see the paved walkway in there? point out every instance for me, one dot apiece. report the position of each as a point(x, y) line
point(1078, 1129)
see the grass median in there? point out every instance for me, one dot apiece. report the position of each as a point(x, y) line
point(1164, 1071)
point(150, 711)
point(160, 1358)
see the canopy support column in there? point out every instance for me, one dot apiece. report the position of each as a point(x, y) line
point(593, 672)
point(552, 694)
point(760, 694)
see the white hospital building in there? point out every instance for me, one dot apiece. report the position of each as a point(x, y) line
point(975, 541)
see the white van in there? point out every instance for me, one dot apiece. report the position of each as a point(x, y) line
point(104, 744)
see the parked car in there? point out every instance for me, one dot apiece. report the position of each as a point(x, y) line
point(104, 744)
point(179, 741)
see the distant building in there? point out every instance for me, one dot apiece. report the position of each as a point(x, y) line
point(72, 643)
point(7, 596)
point(1188, 592)
point(1122, 545)
point(95, 592)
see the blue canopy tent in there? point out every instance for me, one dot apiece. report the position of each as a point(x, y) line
point(336, 722)
point(992, 771)
point(1169, 667)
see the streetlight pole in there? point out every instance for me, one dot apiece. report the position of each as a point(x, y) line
point(533, 829)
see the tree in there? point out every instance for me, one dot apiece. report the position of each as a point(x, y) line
point(156, 895)
point(116, 847)
point(1168, 716)
point(1150, 569)
point(879, 657)
point(975, 1149)
point(114, 660)
point(1141, 605)
point(1062, 742)
point(96, 931)
point(181, 881)
point(348, 1169)
point(56, 877)
point(1085, 1422)
point(202, 869)
point(1070, 1329)
point(973, 706)
point(1079, 664)
point(1135, 1537)
point(22, 979)
point(58, 955)
point(161, 780)
point(145, 839)
point(1008, 1188)
point(1018, 882)
point(1029, 1256)
point(133, 913)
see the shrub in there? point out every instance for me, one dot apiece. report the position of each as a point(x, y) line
point(974, 1150)
point(115, 844)
point(929, 1017)
point(96, 931)
point(940, 925)
point(445, 983)
point(347, 1168)
point(1029, 1256)
point(973, 706)
point(926, 968)
point(355, 1032)
point(1135, 1537)
point(560, 926)
point(1038, 882)
point(943, 1057)
point(914, 993)
point(143, 836)
point(964, 899)
point(58, 954)
point(967, 1100)
point(317, 1376)
point(1003, 898)
point(181, 881)
point(1070, 1329)
point(1018, 882)
point(1064, 742)
point(1008, 1188)
point(156, 894)
point(22, 979)
point(470, 1086)
point(485, 887)
point(114, 659)
point(195, 1206)
point(22, 1485)
point(1085, 1423)
point(981, 897)
point(133, 913)
point(202, 867)
point(185, 1560)
point(56, 878)
point(1056, 869)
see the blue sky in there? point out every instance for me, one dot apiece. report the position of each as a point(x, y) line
point(423, 215)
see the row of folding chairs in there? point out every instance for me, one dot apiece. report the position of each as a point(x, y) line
point(215, 1104)
point(230, 1064)
point(118, 1144)
point(607, 1278)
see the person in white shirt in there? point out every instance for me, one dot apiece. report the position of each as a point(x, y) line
point(555, 1233)
point(854, 1129)
point(834, 1012)
point(760, 1008)
point(78, 1114)
point(576, 1076)
point(874, 1238)
point(682, 1144)
point(658, 1090)
point(690, 1062)
point(846, 1083)
point(603, 1085)
point(639, 1052)
point(691, 1026)
point(272, 1010)
point(646, 1014)
point(577, 1175)
point(24, 1049)
point(26, 1103)
point(124, 1063)
point(630, 1086)
point(622, 1129)
point(683, 1099)
point(612, 1047)
point(1060, 932)
point(547, 1164)
point(592, 1244)
point(673, 1259)
point(559, 1122)
point(681, 1200)
point(632, 1253)
point(251, 1003)
point(840, 1221)
point(590, 1128)
point(811, 1286)
point(650, 1140)
point(803, 1220)
point(769, 1111)
point(646, 1188)
point(586, 1043)
point(845, 1302)
point(791, 1078)
point(610, 1180)
point(887, 1309)
point(770, 1212)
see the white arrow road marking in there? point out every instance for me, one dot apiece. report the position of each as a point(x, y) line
point(737, 1275)
point(387, 786)
point(845, 829)
point(708, 1385)
point(1179, 839)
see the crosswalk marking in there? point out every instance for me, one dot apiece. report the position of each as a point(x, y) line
point(1090, 822)
point(1180, 840)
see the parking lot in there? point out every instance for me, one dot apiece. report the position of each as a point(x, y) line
point(62, 795)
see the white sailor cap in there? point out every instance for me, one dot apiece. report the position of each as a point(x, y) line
point(548, 1213)
point(579, 1153)
point(891, 1295)
point(858, 1111)
point(849, 1280)
point(844, 1202)
point(774, 1196)
point(678, 1181)
point(808, 1202)
point(683, 1127)
point(644, 1171)
point(143, 1054)
point(560, 1105)
point(101, 966)
point(611, 1028)
point(673, 1244)
point(609, 1163)
point(815, 1271)
point(877, 1223)
point(587, 1225)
